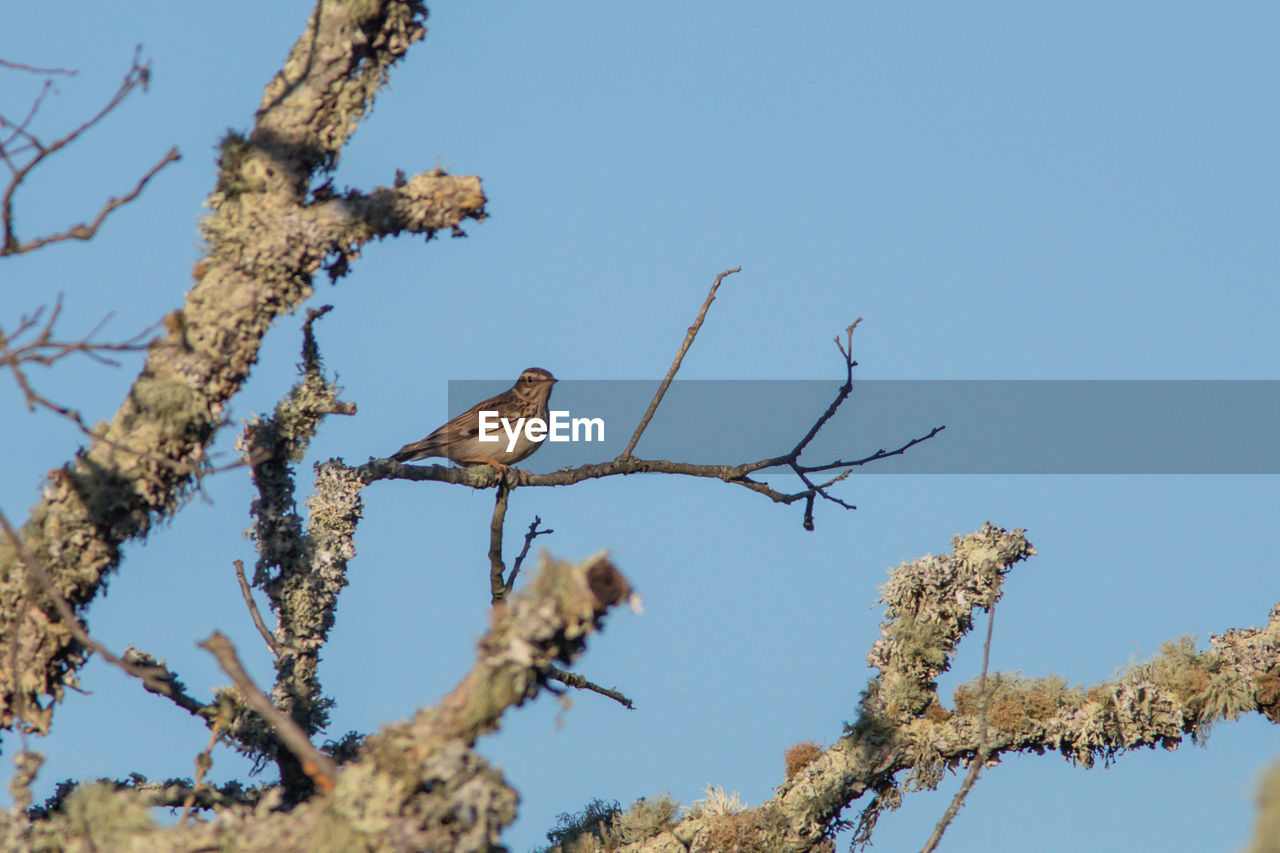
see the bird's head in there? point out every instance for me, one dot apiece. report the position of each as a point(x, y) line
point(535, 382)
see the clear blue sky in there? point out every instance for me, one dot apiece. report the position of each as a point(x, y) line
point(1012, 190)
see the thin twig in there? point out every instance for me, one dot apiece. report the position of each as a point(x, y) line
point(532, 534)
point(203, 762)
point(572, 679)
point(981, 754)
point(137, 76)
point(253, 609)
point(874, 457)
point(86, 232)
point(321, 768)
point(675, 365)
point(849, 365)
point(18, 66)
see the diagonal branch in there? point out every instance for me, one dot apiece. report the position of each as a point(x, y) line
point(983, 753)
point(572, 679)
point(321, 768)
point(84, 231)
point(675, 364)
point(254, 613)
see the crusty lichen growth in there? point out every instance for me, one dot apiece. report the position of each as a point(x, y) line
point(265, 243)
point(929, 606)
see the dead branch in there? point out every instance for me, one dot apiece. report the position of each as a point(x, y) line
point(136, 78)
point(254, 613)
point(483, 477)
point(675, 364)
point(18, 66)
point(289, 569)
point(497, 583)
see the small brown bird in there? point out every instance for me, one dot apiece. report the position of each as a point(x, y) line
point(459, 439)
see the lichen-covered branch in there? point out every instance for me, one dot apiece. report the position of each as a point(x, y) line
point(301, 581)
point(905, 739)
point(264, 244)
point(416, 785)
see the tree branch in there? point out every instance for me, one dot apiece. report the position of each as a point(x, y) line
point(903, 728)
point(572, 679)
point(254, 613)
point(675, 365)
point(154, 675)
point(497, 585)
point(980, 758)
point(532, 534)
point(137, 77)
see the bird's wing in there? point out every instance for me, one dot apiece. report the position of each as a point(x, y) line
point(464, 427)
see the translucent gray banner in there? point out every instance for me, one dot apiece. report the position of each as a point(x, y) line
point(992, 426)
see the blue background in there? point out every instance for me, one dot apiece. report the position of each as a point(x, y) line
point(1002, 190)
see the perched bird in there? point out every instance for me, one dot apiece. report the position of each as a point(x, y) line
point(459, 439)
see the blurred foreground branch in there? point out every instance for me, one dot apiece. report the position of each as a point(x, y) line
point(415, 785)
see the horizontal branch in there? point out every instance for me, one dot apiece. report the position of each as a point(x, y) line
point(484, 477)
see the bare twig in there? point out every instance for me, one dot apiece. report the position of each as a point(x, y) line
point(45, 349)
point(675, 365)
point(18, 66)
point(254, 613)
point(572, 679)
point(874, 457)
point(483, 477)
point(137, 77)
point(532, 534)
point(849, 365)
point(983, 751)
point(84, 231)
point(203, 762)
point(321, 768)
